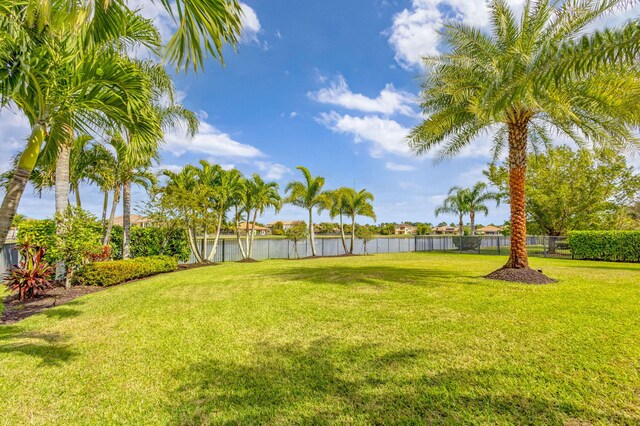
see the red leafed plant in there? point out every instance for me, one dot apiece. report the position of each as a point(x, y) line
point(101, 256)
point(32, 275)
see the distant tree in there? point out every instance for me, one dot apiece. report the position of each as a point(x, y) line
point(571, 190)
point(296, 233)
point(455, 203)
point(387, 229)
point(477, 197)
point(277, 228)
point(366, 233)
point(357, 203)
point(308, 194)
point(424, 229)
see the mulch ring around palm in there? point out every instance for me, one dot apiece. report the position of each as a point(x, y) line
point(523, 275)
point(15, 310)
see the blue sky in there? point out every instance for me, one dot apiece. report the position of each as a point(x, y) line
point(330, 85)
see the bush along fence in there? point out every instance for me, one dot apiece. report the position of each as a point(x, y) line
point(616, 246)
point(272, 248)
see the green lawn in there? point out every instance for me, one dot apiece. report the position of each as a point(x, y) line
point(402, 338)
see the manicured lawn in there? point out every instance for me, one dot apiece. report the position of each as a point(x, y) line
point(413, 337)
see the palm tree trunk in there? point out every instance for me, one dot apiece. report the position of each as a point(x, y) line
point(126, 220)
point(78, 201)
point(62, 177)
point(342, 236)
point(212, 255)
point(114, 206)
point(105, 206)
point(19, 180)
point(237, 220)
point(353, 233)
point(312, 234)
point(253, 231)
point(461, 224)
point(246, 233)
point(194, 244)
point(517, 174)
point(472, 222)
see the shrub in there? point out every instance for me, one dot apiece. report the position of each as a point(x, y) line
point(32, 275)
point(152, 241)
point(114, 272)
point(616, 246)
point(39, 233)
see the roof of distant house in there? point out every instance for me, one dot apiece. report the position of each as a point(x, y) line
point(135, 219)
point(243, 226)
point(489, 228)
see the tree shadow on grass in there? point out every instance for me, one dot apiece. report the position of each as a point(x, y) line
point(49, 347)
point(327, 383)
point(378, 276)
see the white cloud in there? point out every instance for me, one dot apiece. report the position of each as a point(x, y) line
point(399, 167)
point(414, 31)
point(389, 101)
point(274, 171)
point(15, 129)
point(210, 141)
point(385, 135)
point(250, 25)
point(293, 114)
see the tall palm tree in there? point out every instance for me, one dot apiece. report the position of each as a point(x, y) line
point(167, 115)
point(64, 87)
point(338, 210)
point(477, 197)
point(457, 202)
point(357, 203)
point(528, 77)
point(263, 195)
point(308, 195)
point(227, 185)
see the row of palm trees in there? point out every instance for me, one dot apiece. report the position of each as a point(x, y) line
point(202, 197)
point(462, 201)
point(96, 113)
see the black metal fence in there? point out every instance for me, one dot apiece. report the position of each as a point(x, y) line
point(274, 248)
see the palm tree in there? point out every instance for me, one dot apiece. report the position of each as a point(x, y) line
point(63, 86)
point(308, 195)
point(226, 188)
point(357, 203)
point(457, 202)
point(338, 210)
point(262, 195)
point(477, 196)
point(204, 27)
point(529, 77)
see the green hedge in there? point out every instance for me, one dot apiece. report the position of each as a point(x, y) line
point(152, 241)
point(114, 272)
point(616, 246)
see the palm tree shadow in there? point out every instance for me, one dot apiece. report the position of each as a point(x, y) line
point(326, 382)
point(377, 276)
point(49, 347)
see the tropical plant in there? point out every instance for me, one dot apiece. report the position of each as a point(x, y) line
point(77, 240)
point(357, 203)
point(477, 197)
point(66, 85)
point(455, 203)
point(297, 232)
point(32, 275)
point(260, 196)
point(366, 234)
point(530, 76)
point(338, 210)
point(308, 195)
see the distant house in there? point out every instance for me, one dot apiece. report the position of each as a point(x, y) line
point(258, 230)
point(136, 220)
point(406, 229)
point(489, 230)
point(286, 224)
point(446, 230)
